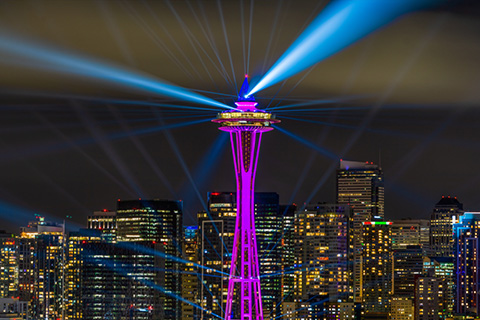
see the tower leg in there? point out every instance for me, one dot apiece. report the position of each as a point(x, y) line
point(244, 282)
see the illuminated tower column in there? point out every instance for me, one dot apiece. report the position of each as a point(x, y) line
point(245, 125)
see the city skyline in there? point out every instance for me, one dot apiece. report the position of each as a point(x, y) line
point(70, 149)
point(110, 263)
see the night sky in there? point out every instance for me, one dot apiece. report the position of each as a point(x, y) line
point(406, 96)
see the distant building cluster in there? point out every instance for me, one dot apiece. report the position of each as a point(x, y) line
point(326, 261)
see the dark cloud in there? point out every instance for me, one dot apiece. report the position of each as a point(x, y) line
point(421, 71)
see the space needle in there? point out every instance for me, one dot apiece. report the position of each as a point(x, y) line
point(245, 123)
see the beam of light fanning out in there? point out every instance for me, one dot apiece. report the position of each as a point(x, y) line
point(341, 24)
point(61, 62)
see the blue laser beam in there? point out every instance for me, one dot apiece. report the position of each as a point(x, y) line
point(204, 168)
point(102, 262)
point(21, 215)
point(147, 250)
point(319, 149)
point(70, 63)
point(341, 24)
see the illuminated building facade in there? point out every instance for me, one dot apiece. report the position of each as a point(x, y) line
point(360, 185)
point(215, 240)
point(377, 262)
point(190, 272)
point(443, 268)
point(288, 258)
point(8, 265)
point(467, 264)
point(268, 223)
point(408, 264)
point(13, 308)
point(143, 228)
point(76, 281)
point(446, 212)
point(104, 291)
point(246, 124)
point(215, 243)
point(41, 268)
point(430, 298)
point(26, 260)
point(408, 232)
point(105, 221)
point(402, 309)
point(339, 311)
point(321, 266)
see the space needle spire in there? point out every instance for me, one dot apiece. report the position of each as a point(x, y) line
point(245, 124)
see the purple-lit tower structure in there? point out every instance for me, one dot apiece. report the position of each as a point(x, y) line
point(245, 124)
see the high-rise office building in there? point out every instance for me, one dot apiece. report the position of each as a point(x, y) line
point(145, 227)
point(268, 225)
point(105, 221)
point(430, 297)
point(26, 261)
point(105, 293)
point(41, 268)
point(76, 281)
point(409, 232)
point(215, 235)
point(360, 185)
point(41, 272)
point(287, 243)
point(467, 264)
point(443, 269)
point(215, 242)
point(402, 309)
point(407, 265)
point(446, 212)
point(8, 265)
point(321, 264)
point(377, 266)
point(190, 272)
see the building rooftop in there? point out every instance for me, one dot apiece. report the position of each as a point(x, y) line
point(352, 165)
point(449, 201)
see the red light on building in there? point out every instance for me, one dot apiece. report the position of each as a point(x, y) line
point(215, 193)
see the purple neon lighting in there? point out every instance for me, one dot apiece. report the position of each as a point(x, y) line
point(245, 124)
point(246, 105)
point(244, 281)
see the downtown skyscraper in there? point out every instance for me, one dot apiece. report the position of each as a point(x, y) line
point(467, 264)
point(129, 268)
point(360, 185)
point(377, 265)
point(8, 264)
point(145, 227)
point(445, 213)
point(321, 269)
point(41, 268)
